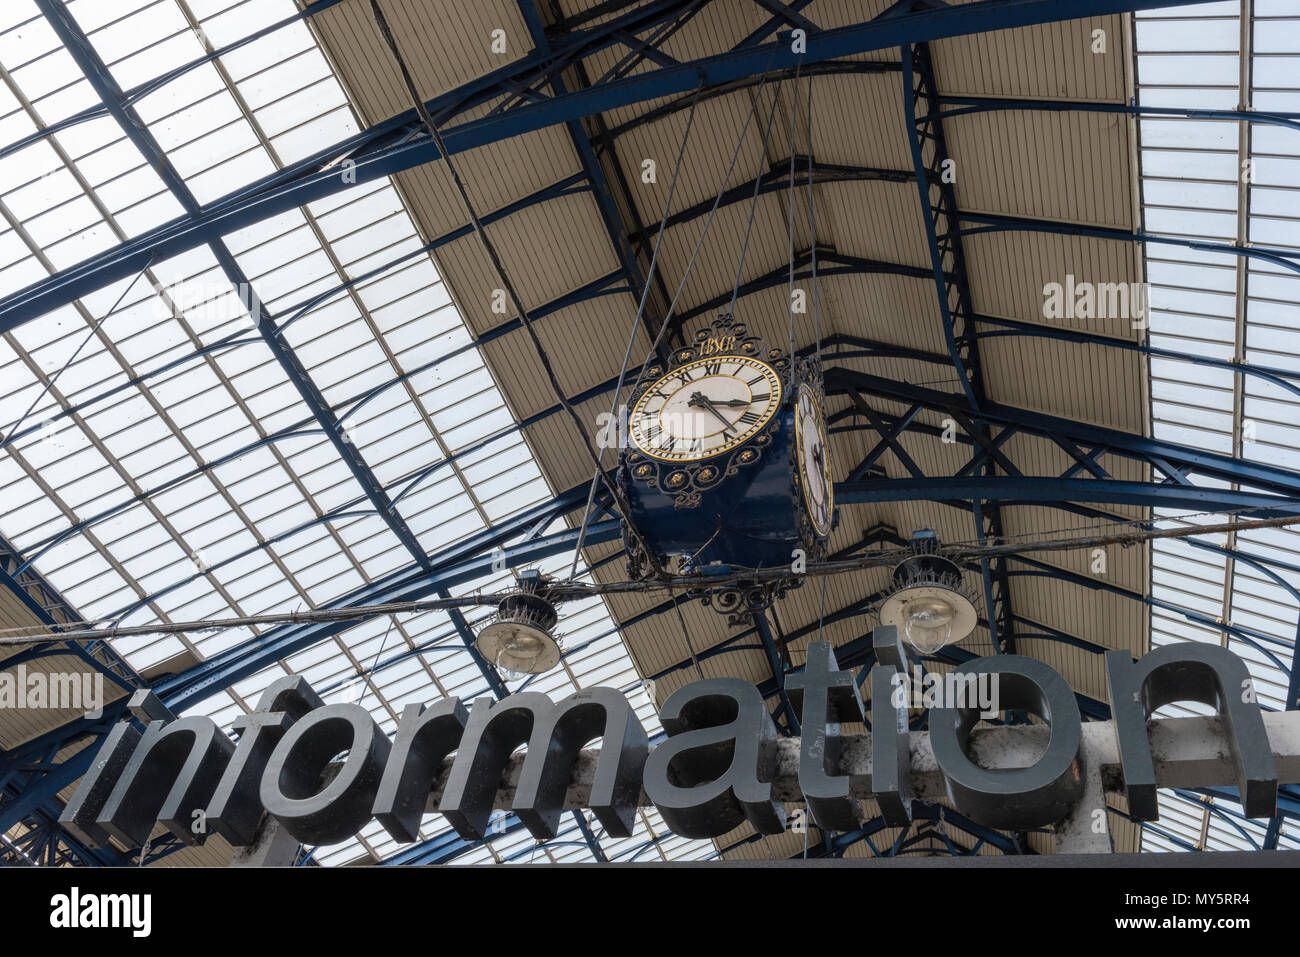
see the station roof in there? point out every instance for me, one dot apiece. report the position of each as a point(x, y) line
point(177, 447)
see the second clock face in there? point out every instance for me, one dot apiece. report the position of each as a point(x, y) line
point(814, 461)
point(705, 408)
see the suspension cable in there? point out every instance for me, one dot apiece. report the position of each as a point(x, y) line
point(576, 591)
point(615, 495)
point(9, 437)
point(615, 420)
point(753, 203)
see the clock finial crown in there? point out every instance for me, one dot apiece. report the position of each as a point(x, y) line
point(727, 337)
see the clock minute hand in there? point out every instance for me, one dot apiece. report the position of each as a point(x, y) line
point(700, 400)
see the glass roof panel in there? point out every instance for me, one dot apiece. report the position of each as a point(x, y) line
point(164, 463)
point(1230, 182)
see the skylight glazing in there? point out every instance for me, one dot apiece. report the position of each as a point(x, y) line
point(1233, 182)
point(162, 459)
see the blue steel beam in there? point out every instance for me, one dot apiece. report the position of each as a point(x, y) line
point(677, 105)
point(1256, 639)
point(931, 161)
point(980, 223)
point(1024, 490)
point(777, 178)
point(319, 176)
point(1286, 379)
point(778, 669)
point(951, 106)
point(53, 611)
point(613, 219)
point(1268, 478)
point(829, 263)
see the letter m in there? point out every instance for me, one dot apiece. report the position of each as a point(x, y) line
point(556, 734)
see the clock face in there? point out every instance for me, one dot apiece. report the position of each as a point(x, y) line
point(814, 460)
point(705, 408)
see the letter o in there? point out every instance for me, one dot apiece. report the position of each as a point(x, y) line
point(1018, 798)
point(290, 789)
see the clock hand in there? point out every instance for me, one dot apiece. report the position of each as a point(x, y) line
point(700, 400)
point(733, 403)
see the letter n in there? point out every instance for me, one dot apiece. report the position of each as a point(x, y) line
point(1188, 671)
point(172, 772)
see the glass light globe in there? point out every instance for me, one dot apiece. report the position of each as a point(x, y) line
point(519, 648)
point(927, 622)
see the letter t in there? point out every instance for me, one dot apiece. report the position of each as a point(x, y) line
point(829, 696)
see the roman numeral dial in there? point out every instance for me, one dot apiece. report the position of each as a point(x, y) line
point(705, 408)
point(814, 460)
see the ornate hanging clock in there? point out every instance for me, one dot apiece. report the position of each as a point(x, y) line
point(726, 462)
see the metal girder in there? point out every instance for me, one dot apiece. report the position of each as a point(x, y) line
point(1181, 459)
point(611, 210)
point(938, 196)
point(951, 106)
point(778, 669)
point(1256, 639)
point(677, 105)
point(991, 223)
point(394, 147)
point(1286, 379)
point(777, 178)
point(1026, 490)
point(829, 263)
point(934, 181)
point(48, 606)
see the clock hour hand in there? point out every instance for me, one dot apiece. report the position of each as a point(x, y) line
point(700, 400)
